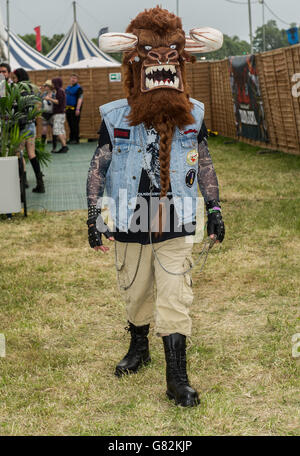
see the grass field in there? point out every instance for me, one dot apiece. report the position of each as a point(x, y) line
point(64, 321)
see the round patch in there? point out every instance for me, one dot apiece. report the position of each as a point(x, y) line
point(190, 177)
point(192, 157)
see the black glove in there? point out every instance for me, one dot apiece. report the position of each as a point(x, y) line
point(215, 224)
point(95, 236)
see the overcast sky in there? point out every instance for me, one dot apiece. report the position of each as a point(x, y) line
point(56, 16)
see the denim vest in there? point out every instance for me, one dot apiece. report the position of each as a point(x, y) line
point(124, 172)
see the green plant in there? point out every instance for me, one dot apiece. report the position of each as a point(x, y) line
point(44, 157)
point(18, 107)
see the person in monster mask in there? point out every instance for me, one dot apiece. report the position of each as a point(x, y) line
point(152, 151)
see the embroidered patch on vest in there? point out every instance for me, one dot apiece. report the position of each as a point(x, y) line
point(190, 131)
point(190, 177)
point(121, 133)
point(192, 157)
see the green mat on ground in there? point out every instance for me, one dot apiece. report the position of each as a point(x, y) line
point(65, 180)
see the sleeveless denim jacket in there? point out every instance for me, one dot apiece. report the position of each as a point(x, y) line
point(124, 172)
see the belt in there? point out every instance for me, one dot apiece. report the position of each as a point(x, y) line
point(70, 107)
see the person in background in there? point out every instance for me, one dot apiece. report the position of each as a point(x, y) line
point(74, 94)
point(6, 71)
point(21, 75)
point(59, 116)
point(47, 114)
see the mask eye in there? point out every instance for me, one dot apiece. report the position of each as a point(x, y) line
point(173, 46)
point(148, 48)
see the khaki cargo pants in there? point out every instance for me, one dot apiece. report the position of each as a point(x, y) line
point(155, 295)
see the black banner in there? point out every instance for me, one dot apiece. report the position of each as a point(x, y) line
point(248, 106)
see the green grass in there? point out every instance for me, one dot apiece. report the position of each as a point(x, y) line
point(64, 320)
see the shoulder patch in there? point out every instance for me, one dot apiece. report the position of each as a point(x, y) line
point(191, 130)
point(121, 133)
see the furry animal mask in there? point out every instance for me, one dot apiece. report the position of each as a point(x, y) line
point(155, 51)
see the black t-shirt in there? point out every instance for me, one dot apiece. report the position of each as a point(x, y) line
point(152, 172)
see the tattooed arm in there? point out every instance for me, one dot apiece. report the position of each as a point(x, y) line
point(208, 184)
point(97, 173)
point(95, 188)
point(98, 167)
point(207, 179)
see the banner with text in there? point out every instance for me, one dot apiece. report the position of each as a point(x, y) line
point(248, 105)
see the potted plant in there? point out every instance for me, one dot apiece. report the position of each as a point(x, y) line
point(15, 109)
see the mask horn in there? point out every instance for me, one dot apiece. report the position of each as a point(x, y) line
point(192, 46)
point(117, 42)
point(205, 39)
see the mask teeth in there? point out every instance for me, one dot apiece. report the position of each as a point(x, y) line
point(152, 69)
point(150, 83)
point(161, 76)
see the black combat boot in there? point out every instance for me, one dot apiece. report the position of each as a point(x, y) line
point(40, 187)
point(138, 353)
point(178, 386)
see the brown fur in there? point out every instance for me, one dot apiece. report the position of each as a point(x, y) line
point(164, 109)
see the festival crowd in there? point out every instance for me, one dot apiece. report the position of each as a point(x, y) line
point(57, 106)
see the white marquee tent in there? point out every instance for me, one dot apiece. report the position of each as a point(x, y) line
point(23, 55)
point(92, 62)
point(76, 47)
point(20, 53)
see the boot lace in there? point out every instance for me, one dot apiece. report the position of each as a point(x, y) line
point(177, 366)
point(182, 369)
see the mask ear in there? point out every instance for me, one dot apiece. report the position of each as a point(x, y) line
point(117, 42)
point(205, 39)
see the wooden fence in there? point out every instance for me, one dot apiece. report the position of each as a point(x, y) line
point(209, 83)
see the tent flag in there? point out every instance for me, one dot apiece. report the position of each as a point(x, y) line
point(103, 30)
point(38, 40)
point(293, 35)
